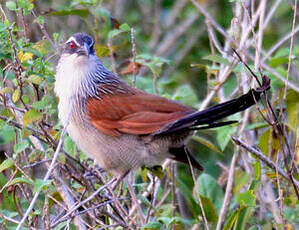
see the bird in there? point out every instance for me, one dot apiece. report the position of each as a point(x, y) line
point(121, 127)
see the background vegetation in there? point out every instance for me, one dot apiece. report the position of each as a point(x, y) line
point(179, 49)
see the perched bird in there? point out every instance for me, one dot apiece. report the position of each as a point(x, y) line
point(121, 127)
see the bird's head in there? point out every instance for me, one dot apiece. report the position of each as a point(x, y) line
point(79, 44)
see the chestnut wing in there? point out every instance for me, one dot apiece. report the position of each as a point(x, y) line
point(133, 111)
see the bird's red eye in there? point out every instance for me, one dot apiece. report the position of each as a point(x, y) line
point(72, 45)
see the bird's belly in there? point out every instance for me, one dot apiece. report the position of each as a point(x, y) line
point(116, 154)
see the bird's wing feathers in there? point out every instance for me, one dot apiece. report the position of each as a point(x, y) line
point(133, 111)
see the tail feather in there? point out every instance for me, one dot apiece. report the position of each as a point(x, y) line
point(211, 115)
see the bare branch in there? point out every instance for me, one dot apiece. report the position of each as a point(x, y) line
point(228, 191)
point(50, 169)
point(262, 157)
point(291, 49)
point(133, 41)
point(43, 29)
point(76, 206)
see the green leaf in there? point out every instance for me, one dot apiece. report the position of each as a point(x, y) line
point(218, 59)
point(202, 66)
point(69, 146)
point(21, 146)
point(19, 180)
point(173, 220)
point(207, 186)
point(39, 105)
point(157, 171)
point(243, 218)
point(165, 220)
point(104, 17)
point(16, 95)
point(26, 5)
point(152, 226)
point(31, 116)
point(246, 198)
point(292, 104)
point(274, 62)
point(11, 5)
point(7, 134)
point(102, 51)
point(23, 3)
point(44, 103)
point(125, 27)
point(209, 209)
point(26, 99)
point(185, 94)
point(241, 179)
point(206, 143)
point(224, 135)
point(40, 20)
point(194, 207)
point(7, 163)
point(7, 90)
point(232, 218)
point(79, 12)
point(258, 125)
point(35, 79)
point(114, 33)
point(257, 170)
point(41, 184)
point(264, 141)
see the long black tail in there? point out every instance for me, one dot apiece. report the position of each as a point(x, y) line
point(209, 116)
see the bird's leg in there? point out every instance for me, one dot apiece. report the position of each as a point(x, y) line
point(119, 179)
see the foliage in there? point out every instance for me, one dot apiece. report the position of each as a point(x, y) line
point(177, 58)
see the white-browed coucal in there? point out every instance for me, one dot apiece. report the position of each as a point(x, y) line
point(122, 127)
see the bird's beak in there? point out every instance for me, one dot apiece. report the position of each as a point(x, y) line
point(87, 49)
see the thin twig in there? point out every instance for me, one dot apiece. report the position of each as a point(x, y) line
point(9, 219)
point(260, 35)
point(271, 13)
point(133, 41)
point(199, 198)
point(76, 206)
point(280, 193)
point(112, 60)
point(228, 191)
point(279, 43)
point(43, 29)
point(51, 167)
point(123, 213)
point(224, 77)
point(205, 13)
point(134, 198)
point(36, 133)
point(227, 36)
point(262, 157)
point(174, 34)
point(36, 163)
point(290, 54)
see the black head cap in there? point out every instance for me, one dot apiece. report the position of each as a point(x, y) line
point(79, 43)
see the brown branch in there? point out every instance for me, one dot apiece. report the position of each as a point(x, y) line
point(263, 158)
point(44, 31)
point(36, 133)
point(78, 205)
point(133, 41)
point(47, 176)
point(174, 34)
